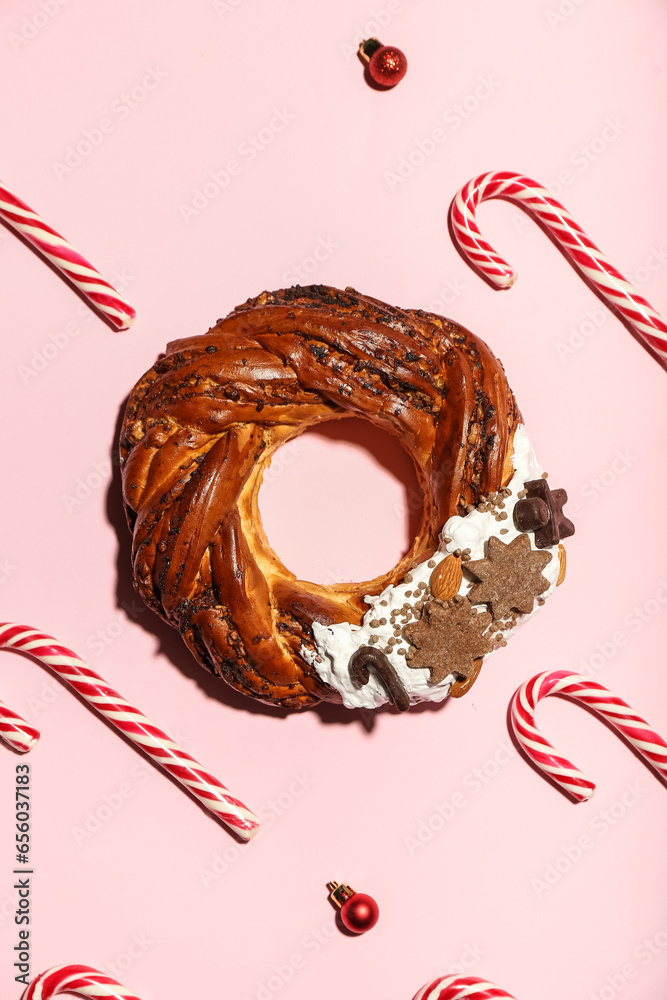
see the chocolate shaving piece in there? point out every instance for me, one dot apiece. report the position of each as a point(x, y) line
point(366, 657)
point(529, 511)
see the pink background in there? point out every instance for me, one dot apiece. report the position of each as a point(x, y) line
point(428, 812)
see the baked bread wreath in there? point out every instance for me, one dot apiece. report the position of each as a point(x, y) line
point(201, 427)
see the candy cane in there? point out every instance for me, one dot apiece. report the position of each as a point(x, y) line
point(86, 982)
point(601, 701)
point(75, 268)
point(78, 979)
point(128, 720)
point(608, 283)
point(461, 987)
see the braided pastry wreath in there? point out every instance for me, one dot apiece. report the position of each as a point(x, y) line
point(201, 427)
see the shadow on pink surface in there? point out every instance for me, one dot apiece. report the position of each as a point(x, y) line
point(382, 449)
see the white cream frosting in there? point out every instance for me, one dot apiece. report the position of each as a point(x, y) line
point(335, 644)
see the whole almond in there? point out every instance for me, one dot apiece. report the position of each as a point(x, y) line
point(446, 578)
point(461, 687)
point(562, 558)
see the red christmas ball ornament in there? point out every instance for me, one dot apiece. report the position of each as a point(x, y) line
point(358, 911)
point(386, 64)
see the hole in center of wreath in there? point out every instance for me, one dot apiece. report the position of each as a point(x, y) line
point(341, 502)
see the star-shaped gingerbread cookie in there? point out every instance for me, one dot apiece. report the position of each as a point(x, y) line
point(448, 639)
point(511, 576)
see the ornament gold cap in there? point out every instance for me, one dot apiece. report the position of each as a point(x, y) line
point(339, 893)
point(368, 47)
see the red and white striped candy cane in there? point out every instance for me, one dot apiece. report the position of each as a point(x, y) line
point(72, 265)
point(78, 979)
point(460, 988)
point(127, 719)
point(601, 701)
point(608, 283)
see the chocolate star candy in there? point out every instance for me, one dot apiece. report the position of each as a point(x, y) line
point(448, 639)
point(542, 512)
point(510, 575)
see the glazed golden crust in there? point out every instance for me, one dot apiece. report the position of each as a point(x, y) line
point(200, 429)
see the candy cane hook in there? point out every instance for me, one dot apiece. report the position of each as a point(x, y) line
point(601, 701)
point(127, 720)
point(78, 979)
point(72, 266)
point(608, 283)
point(461, 988)
point(86, 982)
